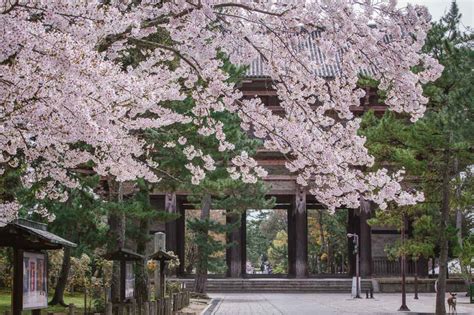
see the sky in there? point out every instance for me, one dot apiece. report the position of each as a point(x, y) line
point(437, 9)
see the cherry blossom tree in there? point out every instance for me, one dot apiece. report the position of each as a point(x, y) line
point(68, 100)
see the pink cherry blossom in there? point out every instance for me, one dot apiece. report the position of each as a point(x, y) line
point(66, 99)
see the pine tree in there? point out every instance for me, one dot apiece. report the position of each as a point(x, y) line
point(218, 190)
point(438, 147)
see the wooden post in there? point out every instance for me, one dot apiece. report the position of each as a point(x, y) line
point(159, 243)
point(162, 278)
point(123, 270)
point(353, 227)
point(133, 307)
point(108, 308)
point(365, 241)
point(71, 309)
point(17, 289)
point(175, 302)
point(146, 308)
point(171, 237)
point(416, 279)
point(167, 306)
point(120, 307)
point(243, 243)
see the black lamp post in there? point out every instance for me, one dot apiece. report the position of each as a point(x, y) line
point(356, 251)
point(403, 264)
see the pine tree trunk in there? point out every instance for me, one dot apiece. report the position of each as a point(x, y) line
point(58, 297)
point(443, 256)
point(201, 270)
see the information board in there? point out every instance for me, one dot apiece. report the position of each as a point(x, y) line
point(35, 281)
point(129, 281)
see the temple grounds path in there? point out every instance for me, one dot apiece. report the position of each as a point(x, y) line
point(309, 303)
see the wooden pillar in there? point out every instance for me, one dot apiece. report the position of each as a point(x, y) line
point(17, 289)
point(298, 236)
point(162, 278)
point(365, 238)
point(243, 243)
point(171, 237)
point(234, 253)
point(180, 236)
point(291, 242)
point(357, 223)
point(353, 226)
point(123, 269)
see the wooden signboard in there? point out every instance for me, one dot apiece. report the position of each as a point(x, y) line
point(35, 282)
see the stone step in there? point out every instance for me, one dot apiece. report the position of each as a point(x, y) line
point(280, 285)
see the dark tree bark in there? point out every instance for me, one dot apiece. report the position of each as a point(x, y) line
point(443, 241)
point(58, 297)
point(202, 263)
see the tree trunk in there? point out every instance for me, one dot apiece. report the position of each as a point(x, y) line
point(201, 270)
point(459, 219)
point(443, 256)
point(58, 297)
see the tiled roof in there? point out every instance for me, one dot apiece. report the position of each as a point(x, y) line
point(123, 254)
point(309, 43)
point(39, 230)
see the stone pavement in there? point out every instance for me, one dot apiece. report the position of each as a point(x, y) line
point(327, 303)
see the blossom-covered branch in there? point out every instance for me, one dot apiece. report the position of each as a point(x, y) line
point(67, 98)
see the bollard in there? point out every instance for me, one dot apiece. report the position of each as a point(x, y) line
point(71, 309)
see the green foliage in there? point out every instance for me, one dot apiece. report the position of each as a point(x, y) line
point(267, 239)
point(278, 253)
point(327, 240)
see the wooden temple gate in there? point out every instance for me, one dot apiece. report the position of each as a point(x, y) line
point(291, 197)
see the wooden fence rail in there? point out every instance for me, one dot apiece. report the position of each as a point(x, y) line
point(166, 306)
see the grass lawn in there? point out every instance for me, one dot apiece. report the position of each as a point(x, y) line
point(77, 299)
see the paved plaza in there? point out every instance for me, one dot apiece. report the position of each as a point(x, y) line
point(309, 303)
